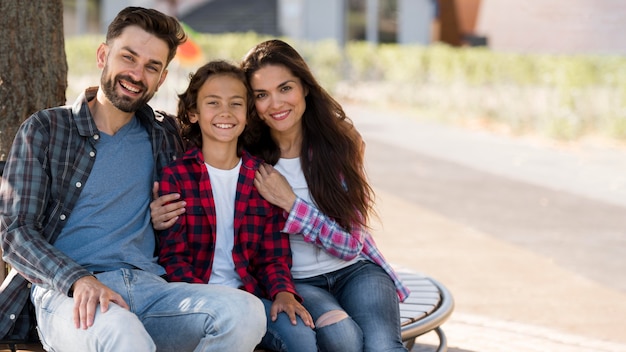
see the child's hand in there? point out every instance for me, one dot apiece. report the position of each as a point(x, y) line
point(286, 302)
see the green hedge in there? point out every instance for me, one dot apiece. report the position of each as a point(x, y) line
point(560, 96)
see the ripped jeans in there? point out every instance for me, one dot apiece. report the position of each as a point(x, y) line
point(365, 292)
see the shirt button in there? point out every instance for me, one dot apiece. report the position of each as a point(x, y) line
point(12, 316)
point(79, 185)
point(92, 153)
point(96, 136)
point(29, 285)
point(62, 217)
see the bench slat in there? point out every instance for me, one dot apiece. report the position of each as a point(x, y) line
point(428, 306)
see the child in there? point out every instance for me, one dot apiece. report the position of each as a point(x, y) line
point(229, 235)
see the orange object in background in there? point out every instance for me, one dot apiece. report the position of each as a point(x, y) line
point(189, 53)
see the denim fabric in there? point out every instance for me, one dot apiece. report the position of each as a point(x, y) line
point(282, 336)
point(367, 293)
point(163, 316)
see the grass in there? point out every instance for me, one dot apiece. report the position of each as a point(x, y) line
point(557, 96)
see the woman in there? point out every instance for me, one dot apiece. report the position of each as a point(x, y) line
point(318, 178)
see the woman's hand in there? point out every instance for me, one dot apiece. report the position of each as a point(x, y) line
point(274, 187)
point(164, 210)
point(287, 302)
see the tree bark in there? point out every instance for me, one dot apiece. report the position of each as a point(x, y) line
point(33, 66)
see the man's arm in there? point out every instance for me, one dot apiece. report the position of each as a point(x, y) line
point(29, 215)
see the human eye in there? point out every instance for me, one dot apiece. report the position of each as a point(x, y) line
point(260, 96)
point(153, 69)
point(209, 102)
point(286, 88)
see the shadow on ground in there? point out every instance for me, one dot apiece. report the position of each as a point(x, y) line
point(419, 347)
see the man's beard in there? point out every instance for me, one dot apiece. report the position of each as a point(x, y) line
point(121, 102)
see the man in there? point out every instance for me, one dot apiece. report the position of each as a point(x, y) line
point(75, 221)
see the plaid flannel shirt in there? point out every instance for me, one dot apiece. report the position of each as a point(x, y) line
point(323, 231)
point(52, 155)
point(261, 253)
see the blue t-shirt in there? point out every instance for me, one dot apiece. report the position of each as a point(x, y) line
point(110, 226)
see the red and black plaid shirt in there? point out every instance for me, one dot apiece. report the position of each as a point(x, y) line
point(261, 252)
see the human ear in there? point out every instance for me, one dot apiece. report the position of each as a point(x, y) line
point(101, 55)
point(162, 78)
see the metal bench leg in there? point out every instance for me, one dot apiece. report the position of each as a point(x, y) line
point(409, 344)
point(443, 341)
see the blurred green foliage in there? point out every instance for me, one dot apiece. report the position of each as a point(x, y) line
point(561, 96)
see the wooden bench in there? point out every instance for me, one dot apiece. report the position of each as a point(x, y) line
point(428, 306)
point(426, 309)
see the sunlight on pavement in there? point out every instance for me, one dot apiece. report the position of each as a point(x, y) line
point(494, 280)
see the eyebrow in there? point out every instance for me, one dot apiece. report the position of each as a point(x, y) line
point(219, 97)
point(152, 61)
point(279, 85)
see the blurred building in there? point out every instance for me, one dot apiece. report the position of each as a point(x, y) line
point(299, 19)
point(546, 26)
point(554, 26)
point(535, 26)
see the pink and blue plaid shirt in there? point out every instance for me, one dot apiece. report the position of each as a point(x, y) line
point(323, 231)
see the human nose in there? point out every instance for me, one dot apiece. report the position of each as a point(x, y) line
point(226, 110)
point(275, 101)
point(136, 72)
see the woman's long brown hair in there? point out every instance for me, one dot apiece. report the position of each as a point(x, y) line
point(332, 149)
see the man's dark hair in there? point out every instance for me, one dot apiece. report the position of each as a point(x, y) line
point(164, 27)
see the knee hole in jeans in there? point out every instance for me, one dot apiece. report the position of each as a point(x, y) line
point(331, 317)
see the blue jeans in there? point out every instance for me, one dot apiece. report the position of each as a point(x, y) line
point(282, 336)
point(163, 316)
point(368, 295)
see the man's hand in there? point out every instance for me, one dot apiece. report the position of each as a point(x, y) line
point(164, 210)
point(286, 302)
point(88, 293)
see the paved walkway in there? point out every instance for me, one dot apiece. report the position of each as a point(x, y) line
point(508, 297)
point(482, 334)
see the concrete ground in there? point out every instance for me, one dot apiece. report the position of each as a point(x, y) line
point(510, 295)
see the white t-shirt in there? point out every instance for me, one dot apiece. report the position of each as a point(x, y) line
point(224, 187)
point(308, 259)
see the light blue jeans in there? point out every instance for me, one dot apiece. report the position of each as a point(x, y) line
point(163, 316)
point(367, 294)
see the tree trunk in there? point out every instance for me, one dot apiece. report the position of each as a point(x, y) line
point(33, 67)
